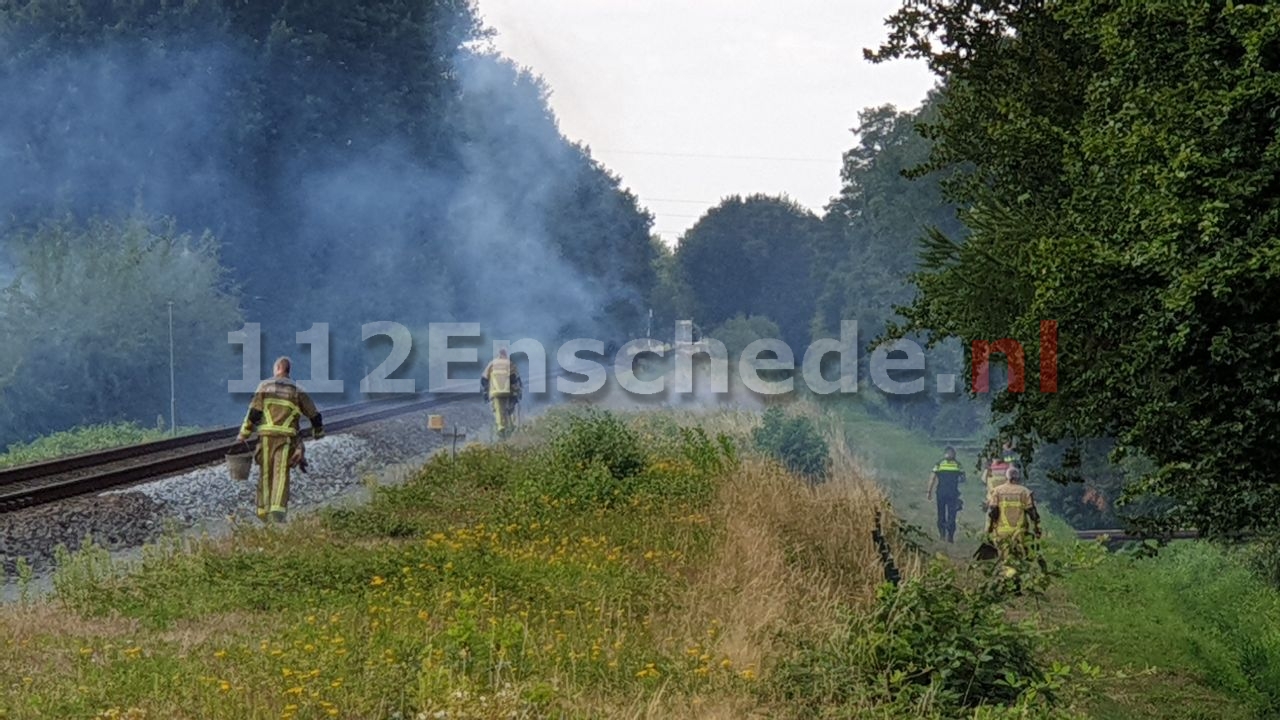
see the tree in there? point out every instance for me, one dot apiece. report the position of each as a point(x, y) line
point(1120, 168)
point(753, 256)
point(740, 331)
point(884, 208)
point(86, 324)
point(360, 162)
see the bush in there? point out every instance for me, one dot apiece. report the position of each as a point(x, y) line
point(930, 648)
point(596, 459)
point(793, 441)
point(80, 440)
point(740, 331)
point(599, 438)
point(593, 460)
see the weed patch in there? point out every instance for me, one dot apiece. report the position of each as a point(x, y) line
point(795, 442)
point(932, 647)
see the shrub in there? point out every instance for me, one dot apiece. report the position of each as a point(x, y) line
point(929, 646)
point(80, 440)
point(599, 438)
point(793, 441)
point(596, 459)
point(740, 331)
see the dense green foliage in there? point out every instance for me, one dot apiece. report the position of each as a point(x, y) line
point(358, 162)
point(885, 205)
point(1118, 164)
point(80, 440)
point(793, 441)
point(740, 331)
point(86, 324)
point(753, 256)
point(930, 648)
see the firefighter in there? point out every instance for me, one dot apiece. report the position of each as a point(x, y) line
point(501, 385)
point(997, 470)
point(946, 480)
point(1012, 516)
point(277, 406)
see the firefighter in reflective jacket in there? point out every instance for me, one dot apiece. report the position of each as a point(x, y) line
point(277, 406)
point(945, 480)
point(1012, 517)
point(501, 384)
point(997, 470)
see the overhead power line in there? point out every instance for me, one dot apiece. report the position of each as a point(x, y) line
point(673, 200)
point(718, 157)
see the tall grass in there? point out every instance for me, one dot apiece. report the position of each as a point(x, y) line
point(82, 440)
point(500, 583)
point(1195, 618)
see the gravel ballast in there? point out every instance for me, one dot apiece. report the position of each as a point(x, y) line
point(129, 517)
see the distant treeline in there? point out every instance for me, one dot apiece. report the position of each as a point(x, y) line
point(288, 163)
point(764, 266)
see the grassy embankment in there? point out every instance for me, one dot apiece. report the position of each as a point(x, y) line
point(598, 570)
point(1189, 634)
point(82, 440)
point(611, 571)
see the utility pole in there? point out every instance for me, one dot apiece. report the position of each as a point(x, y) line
point(173, 398)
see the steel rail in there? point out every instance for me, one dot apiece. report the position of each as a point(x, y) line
point(72, 463)
point(1122, 536)
point(205, 448)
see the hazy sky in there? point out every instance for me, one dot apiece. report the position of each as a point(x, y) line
point(692, 100)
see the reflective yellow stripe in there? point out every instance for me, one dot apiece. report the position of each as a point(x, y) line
point(1006, 527)
point(264, 475)
point(280, 483)
point(500, 378)
point(270, 427)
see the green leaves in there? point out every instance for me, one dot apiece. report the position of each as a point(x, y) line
point(930, 648)
point(1117, 163)
point(793, 441)
point(753, 256)
point(89, 310)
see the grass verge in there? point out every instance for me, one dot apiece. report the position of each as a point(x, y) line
point(596, 569)
point(1190, 634)
point(82, 440)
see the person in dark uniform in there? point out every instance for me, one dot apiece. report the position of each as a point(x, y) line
point(945, 481)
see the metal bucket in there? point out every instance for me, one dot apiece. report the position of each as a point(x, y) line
point(239, 462)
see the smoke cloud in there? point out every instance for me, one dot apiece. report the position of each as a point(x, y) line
point(467, 207)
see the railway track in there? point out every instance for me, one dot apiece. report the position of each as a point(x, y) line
point(1117, 536)
point(49, 481)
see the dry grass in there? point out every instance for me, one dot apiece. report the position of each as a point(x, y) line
point(23, 623)
point(786, 556)
point(789, 556)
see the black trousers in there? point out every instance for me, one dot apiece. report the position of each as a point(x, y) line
point(948, 506)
